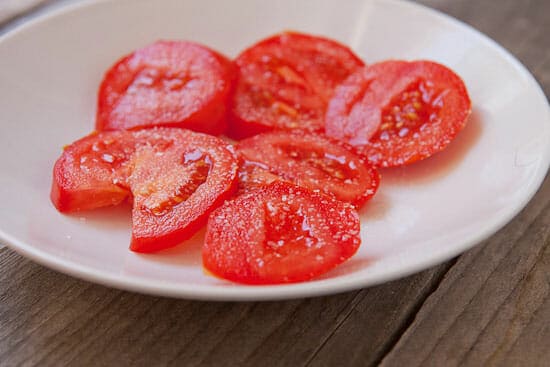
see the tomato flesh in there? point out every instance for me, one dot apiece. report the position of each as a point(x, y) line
point(254, 176)
point(91, 173)
point(284, 83)
point(280, 233)
point(168, 83)
point(309, 160)
point(398, 112)
point(175, 177)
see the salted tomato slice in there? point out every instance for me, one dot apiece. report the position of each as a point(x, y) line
point(252, 175)
point(280, 233)
point(168, 83)
point(285, 82)
point(175, 177)
point(399, 112)
point(308, 160)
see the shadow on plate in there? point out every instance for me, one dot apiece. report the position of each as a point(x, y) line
point(109, 218)
point(440, 164)
point(187, 253)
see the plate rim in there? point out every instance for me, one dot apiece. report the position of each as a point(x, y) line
point(230, 292)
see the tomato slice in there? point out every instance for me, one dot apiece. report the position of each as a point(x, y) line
point(398, 112)
point(253, 175)
point(309, 160)
point(284, 82)
point(280, 233)
point(176, 177)
point(92, 172)
point(168, 83)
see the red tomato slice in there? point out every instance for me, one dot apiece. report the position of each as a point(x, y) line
point(175, 176)
point(284, 82)
point(310, 161)
point(168, 83)
point(92, 172)
point(398, 112)
point(280, 233)
point(254, 176)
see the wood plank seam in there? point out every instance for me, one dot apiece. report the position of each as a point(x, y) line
point(99, 352)
point(539, 256)
point(44, 321)
point(525, 233)
point(396, 336)
point(175, 359)
point(493, 358)
point(36, 301)
point(349, 306)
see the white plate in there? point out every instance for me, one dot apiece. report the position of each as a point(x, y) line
point(423, 214)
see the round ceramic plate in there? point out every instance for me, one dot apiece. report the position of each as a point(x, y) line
point(422, 215)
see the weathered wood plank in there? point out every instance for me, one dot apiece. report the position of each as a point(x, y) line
point(518, 317)
point(528, 350)
point(47, 318)
point(490, 289)
point(371, 320)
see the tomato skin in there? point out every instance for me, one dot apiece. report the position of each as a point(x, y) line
point(175, 178)
point(254, 176)
point(399, 112)
point(285, 81)
point(216, 183)
point(75, 190)
point(280, 233)
point(168, 83)
point(148, 236)
point(309, 160)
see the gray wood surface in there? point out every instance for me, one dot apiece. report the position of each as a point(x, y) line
point(490, 306)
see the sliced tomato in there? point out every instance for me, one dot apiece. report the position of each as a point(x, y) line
point(253, 175)
point(176, 177)
point(168, 83)
point(398, 112)
point(309, 160)
point(284, 82)
point(280, 233)
point(92, 172)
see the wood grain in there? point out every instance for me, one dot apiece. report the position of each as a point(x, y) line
point(486, 300)
point(47, 318)
point(491, 307)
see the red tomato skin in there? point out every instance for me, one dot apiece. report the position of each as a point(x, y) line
point(157, 238)
point(201, 109)
point(67, 201)
point(71, 192)
point(359, 105)
point(285, 81)
point(237, 243)
point(150, 232)
point(149, 167)
point(336, 170)
point(253, 176)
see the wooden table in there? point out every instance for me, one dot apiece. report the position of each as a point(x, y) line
point(490, 306)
